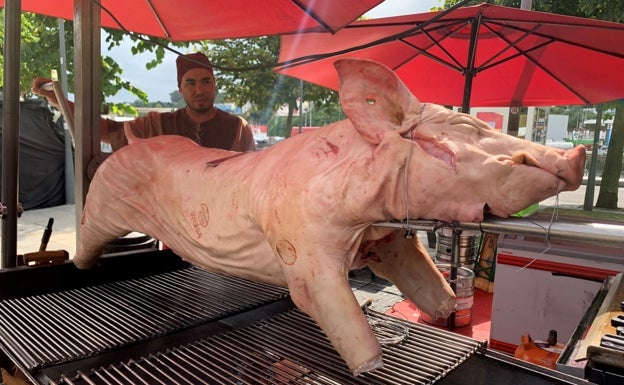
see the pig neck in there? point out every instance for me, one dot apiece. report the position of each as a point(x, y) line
point(335, 173)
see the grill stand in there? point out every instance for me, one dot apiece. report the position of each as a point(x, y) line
point(265, 341)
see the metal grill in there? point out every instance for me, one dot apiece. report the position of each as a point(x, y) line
point(52, 328)
point(289, 348)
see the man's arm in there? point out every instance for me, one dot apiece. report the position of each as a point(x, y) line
point(37, 88)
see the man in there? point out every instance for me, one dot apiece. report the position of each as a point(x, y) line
point(200, 120)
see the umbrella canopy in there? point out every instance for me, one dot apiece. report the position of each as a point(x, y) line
point(186, 20)
point(191, 20)
point(483, 55)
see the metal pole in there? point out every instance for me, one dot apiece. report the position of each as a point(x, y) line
point(469, 74)
point(88, 102)
point(300, 104)
point(605, 234)
point(10, 130)
point(588, 204)
point(70, 184)
point(455, 243)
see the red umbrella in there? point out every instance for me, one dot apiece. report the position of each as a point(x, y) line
point(483, 55)
point(190, 20)
point(185, 20)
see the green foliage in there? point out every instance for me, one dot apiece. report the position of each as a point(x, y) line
point(39, 48)
point(244, 72)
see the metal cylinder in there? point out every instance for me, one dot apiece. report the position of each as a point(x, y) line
point(131, 242)
point(464, 286)
point(468, 247)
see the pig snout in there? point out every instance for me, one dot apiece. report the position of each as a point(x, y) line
point(567, 165)
point(572, 171)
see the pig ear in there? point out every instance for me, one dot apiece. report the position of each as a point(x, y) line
point(374, 98)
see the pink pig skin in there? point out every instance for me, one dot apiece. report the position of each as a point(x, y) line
point(299, 213)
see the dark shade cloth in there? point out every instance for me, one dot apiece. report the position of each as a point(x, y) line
point(185, 63)
point(41, 157)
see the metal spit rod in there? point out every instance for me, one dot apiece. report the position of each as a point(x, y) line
point(604, 234)
point(598, 233)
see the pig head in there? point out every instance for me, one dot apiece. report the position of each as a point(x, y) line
point(299, 213)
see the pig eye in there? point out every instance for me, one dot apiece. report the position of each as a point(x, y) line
point(371, 100)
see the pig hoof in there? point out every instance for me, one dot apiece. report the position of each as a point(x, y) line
point(84, 263)
point(445, 309)
point(367, 366)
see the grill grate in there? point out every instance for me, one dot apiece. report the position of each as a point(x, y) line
point(53, 328)
point(289, 349)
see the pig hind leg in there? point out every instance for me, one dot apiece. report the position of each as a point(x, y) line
point(407, 264)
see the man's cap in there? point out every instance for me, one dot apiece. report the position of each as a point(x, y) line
point(190, 61)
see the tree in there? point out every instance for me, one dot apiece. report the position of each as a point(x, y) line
point(112, 81)
point(609, 185)
point(39, 53)
point(177, 99)
point(256, 82)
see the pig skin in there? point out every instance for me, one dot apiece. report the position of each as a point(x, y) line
point(299, 214)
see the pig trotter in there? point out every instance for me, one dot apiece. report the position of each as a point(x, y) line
point(324, 294)
point(368, 366)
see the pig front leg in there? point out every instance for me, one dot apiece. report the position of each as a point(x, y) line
point(319, 286)
point(97, 229)
point(407, 264)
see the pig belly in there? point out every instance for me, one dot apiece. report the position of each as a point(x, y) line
point(193, 220)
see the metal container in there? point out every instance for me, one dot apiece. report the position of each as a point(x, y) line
point(131, 242)
point(464, 291)
point(468, 247)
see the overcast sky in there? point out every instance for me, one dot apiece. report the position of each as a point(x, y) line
point(159, 82)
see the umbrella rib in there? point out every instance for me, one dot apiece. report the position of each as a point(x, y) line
point(519, 53)
point(552, 75)
point(158, 18)
point(308, 58)
point(556, 38)
point(314, 16)
point(510, 45)
point(457, 27)
point(526, 54)
point(440, 60)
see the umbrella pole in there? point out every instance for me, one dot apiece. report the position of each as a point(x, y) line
point(10, 132)
point(455, 243)
point(469, 72)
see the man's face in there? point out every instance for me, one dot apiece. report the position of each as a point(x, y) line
point(198, 89)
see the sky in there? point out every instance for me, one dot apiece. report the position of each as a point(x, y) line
point(159, 82)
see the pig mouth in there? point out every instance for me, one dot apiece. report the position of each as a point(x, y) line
point(533, 183)
point(566, 169)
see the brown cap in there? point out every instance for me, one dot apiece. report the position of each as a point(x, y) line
point(190, 61)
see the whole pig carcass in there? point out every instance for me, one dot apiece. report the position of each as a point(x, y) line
point(299, 213)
